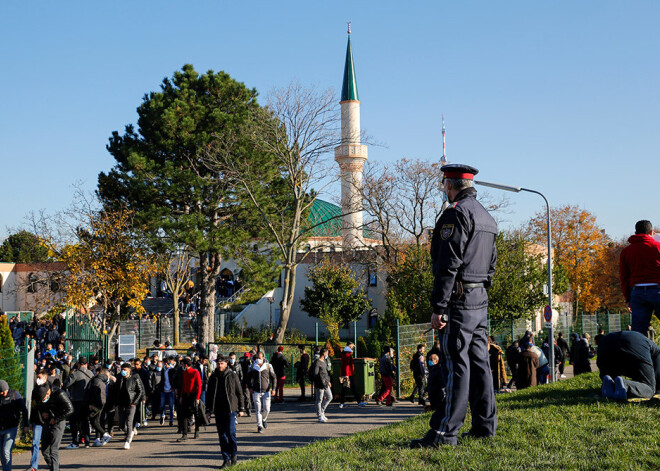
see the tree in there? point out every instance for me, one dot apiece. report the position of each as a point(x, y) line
point(298, 128)
point(161, 173)
point(410, 283)
point(517, 288)
point(23, 247)
point(174, 265)
point(109, 263)
point(606, 282)
point(402, 201)
point(10, 366)
point(577, 241)
point(335, 296)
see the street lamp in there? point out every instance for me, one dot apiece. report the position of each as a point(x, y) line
point(270, 300)
point(551, 339)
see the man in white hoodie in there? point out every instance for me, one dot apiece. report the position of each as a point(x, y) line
point(262, 382)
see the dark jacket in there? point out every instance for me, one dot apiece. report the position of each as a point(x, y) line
point(12, 410)
point(529, 362)
point(320, 374)
point(245, 365)
point(303, 366)
point(58, 407)
point(77, 383)
point(238, 369)
point(204, 373)
point(171, 375)
point(262, 378)
point(225, 394)
point(146, 376)
point(98, 390)
point(386, 366)
point(37, 392)
point(129, 390)
point(417, 365)
point(463, 250)
point(279, 364)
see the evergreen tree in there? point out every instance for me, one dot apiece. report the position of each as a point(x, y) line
point(10, 365)
point(23, 247)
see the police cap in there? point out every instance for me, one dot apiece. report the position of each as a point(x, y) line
point(459, 171)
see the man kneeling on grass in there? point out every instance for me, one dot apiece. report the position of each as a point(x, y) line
point(634, 356)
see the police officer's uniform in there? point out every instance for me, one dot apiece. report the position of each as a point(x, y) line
point(464, 255)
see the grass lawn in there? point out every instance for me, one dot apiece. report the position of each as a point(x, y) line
point(566, 425)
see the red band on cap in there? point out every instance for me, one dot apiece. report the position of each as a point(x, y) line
point(458, 175)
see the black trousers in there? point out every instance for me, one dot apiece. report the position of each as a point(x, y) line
point(95, 416)
point(186, 413)
point(352, 386)
point(468, 378)
point(80, 422)
point(420, 387)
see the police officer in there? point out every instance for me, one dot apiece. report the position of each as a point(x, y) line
point(463, 255)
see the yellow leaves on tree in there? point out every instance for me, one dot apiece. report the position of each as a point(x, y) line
point(108, 264)
point(578, 243)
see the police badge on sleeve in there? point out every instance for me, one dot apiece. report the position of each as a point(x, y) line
point(446, 231)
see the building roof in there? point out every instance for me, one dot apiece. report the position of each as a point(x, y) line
point(349, 89)
point(328, 218)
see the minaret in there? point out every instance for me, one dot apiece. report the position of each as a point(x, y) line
point(350, 155)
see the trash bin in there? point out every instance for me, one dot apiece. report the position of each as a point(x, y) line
point(365, 377)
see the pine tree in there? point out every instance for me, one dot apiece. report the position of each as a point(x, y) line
point(10, 365)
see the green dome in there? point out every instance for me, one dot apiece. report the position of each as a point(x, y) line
point(322, 213)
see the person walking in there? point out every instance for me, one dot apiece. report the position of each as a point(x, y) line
point(387, 369)
point(512, 359)
point(279, 366)
point(302, 370)
point(563, 346)
point(463, 256)
point(55, 408)
point(76, 384)
point(639, 273)
point(225, 399)
point(262, 381)
point(167, 390)
point(130, 394)
point(245, 365)
point(323, 393)
point(190, 396)
point(418, 371)
point(98, 390)
point(13, 413)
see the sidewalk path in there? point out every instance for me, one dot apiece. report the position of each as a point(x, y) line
point(290, 425)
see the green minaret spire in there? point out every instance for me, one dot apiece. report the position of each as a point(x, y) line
point(349, 89)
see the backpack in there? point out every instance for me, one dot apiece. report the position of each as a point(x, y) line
point(310, 372)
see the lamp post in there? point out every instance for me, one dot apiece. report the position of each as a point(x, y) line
point(551, 338)
point(271, 299)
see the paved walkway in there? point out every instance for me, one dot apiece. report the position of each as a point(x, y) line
point(290, 425)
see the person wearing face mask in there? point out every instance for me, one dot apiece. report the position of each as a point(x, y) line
point(12, 408)
point(323, 394)
point(245, 364)
point(55, 408)
point(76, 385)
point(225, 399)
point(167, 375)
point(130, 393)
point(419, 374)
point(435, 382)
point(235, 366)
point(97, 398)
point(262, 382)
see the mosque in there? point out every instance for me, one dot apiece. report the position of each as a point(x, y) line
point(336, 229)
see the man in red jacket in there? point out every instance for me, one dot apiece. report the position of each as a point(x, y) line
point(639, 271)
point(190, 394)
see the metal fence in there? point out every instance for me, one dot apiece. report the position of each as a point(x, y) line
point(17, 368)
point(161, 329)
point(408, 337)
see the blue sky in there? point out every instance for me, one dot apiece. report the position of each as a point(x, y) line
point(562, 97)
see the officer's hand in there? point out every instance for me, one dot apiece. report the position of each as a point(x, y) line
point(241, 414)
point(629, 308)
point(436, 322)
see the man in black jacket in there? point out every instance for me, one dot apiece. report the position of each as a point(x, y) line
point(245, 364)
point(12, 407)
point(97, 399)
point(76, 384)
point(130, 393)
point(54, 407)
point(302, 370)
point(418, 371)
point(225, 399)
point(279, 365)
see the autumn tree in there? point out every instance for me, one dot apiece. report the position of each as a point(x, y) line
point(299, 129)
point(335, 296)
point(578, 242)
point(173, 264)
point(108, 262)
point(606, 283)
point(161, 173)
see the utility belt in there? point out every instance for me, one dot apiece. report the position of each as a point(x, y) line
point(459, 289)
